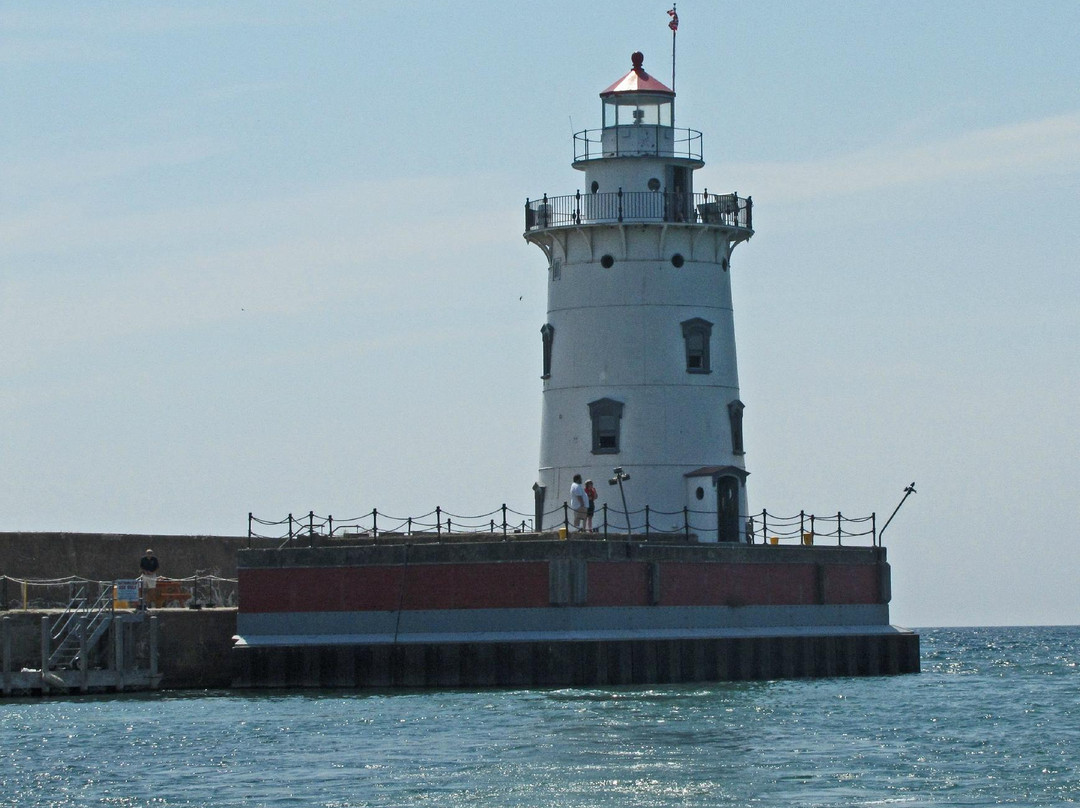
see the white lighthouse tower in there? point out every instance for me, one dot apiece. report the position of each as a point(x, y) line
point(639, 366)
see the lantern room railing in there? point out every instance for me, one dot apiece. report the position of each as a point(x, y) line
point(643, 140)
point(638, 206)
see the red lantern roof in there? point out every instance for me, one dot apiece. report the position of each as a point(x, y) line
point(637, 81)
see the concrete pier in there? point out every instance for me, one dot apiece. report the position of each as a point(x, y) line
point(545, 612)
point(162, 649)
point(579, 664)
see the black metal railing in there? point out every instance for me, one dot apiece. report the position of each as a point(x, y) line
point(727, 210)
point(761, 528)
point(638, 140)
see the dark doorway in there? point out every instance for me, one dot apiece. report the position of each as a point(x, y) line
point(678, 198)
point(727, 509)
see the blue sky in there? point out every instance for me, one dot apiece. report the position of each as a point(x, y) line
point(268, 258)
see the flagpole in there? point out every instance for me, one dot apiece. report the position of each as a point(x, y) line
point(674, 30)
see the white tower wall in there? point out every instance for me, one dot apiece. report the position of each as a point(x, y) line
point(638, 280)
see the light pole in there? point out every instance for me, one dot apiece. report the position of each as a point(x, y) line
point(907, 493)
point(620, 475)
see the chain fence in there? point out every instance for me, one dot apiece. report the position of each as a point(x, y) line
point(761, 528)
point(196, 591)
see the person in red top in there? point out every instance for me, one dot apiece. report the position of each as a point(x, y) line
point(591, 493)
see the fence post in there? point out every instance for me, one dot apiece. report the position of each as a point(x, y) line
point(311, 523)
point(620, 219)
point(249, 528)
point(330, 522)
point(408, 526)
point(686, 521)
point(290, 526)
point(839, 542)
point(504, 519)
point(605, 520)
point(873, 527)
point(577, 207)
point(802, 528)
point(566, 517)
point(46, 650)
point(646, 521)
point(764, 525)
point(374, 523)
point(492, 529)
point(438, 521)
point(84, 651)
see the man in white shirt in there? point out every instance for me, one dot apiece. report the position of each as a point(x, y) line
point(579, 502)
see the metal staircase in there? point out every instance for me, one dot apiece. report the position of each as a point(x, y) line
point(77, 631)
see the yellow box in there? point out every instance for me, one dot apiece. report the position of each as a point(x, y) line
point(562, 533)
point(774, 540)
point(807, 539)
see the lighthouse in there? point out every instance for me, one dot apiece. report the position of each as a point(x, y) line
point(640, 389)
point(640, 380)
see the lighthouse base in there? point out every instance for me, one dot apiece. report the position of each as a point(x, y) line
point(579, 664)
point(407, 611)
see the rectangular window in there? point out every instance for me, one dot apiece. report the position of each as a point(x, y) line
point(696, 336)
point(606, 416)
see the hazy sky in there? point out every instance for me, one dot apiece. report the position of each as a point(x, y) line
point(268, 257)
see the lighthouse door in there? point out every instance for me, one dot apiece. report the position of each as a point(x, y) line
point(727, 509)
point(678, 200)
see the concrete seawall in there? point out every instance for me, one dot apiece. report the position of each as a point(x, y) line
point(193, 646)
point(108, 556)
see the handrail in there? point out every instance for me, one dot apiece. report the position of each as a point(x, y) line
point(66, 630)
point(717, 210)
point(762, 527)
point(637, 140)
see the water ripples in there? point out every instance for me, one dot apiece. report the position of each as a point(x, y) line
point(992, 720)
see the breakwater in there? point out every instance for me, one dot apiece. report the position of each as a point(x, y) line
point(108, 556)
point(192, 650)
point(537, 611)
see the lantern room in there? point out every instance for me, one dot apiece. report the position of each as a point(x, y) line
point(638, 99)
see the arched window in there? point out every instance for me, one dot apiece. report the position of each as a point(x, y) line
point(547, 332)
point(606, 415)
point(696, 335)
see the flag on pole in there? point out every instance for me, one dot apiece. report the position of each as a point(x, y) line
point(674, 24)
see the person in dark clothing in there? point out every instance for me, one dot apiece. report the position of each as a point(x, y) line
point(148, 565)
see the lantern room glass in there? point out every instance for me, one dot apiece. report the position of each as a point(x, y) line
point(631, 110)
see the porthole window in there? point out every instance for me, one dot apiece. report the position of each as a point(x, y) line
point(724, 264)
point(654, 184)
point(677, 260)
point(700, 493)
point(607, 262)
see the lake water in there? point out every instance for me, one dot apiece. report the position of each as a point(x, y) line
point(993, 719)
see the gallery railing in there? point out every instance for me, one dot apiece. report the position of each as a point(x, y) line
point(639, 140)
point(727, 210)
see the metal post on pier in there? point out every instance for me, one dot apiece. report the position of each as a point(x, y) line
point(908, 491)
point(46, 650)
